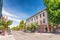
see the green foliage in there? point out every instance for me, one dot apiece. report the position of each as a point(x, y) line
point(22, 25)
point(25, 26)
point(33, 26)
point(53, 9)
point(1, 27)
point(28, 28)
point(8, 23)
point(15, 28)
point(1, 22)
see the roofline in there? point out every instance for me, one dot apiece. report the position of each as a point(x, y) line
point(36, 14)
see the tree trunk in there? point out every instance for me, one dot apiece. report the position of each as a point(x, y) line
point(56, 28)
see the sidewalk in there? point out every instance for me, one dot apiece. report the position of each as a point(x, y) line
point(44, 34)
point(6, 37)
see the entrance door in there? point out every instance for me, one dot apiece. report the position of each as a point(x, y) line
point(46, 29)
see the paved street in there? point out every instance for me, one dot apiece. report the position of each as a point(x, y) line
point(18, 35)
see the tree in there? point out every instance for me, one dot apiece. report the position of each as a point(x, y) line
point(53, 10)
point(1, 24)
point(22, 25)
point(28, 28)
point(8, 23)
point(25, 26)
point(15, 28)
point(1, 27)
point(34, 26)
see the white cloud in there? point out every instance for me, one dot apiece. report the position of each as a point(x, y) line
point(13, 17)
point(5, 13)
point(17, 20)
point(10, 15)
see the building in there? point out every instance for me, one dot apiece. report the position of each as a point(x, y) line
point(1, 8)
point(40, 16)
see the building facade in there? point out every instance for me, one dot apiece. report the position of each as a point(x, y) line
point(1, 3)
point(37, 17)
point(40, 16)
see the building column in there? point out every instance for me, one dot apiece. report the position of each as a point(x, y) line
point(40, 26)
point(44, 29)
point(51, 29)
point(48, 28)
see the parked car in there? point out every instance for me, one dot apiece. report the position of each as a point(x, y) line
point(0, 31)
point(9, 32)
point(27, 31)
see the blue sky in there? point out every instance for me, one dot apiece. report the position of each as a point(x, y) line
point(21, 9)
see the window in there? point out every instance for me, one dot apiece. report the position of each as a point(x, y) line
point(40, 15)
point(32, 19)
point(36, 17)
point(43, 14)
point(43, 20)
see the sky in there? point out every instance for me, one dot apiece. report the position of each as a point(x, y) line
point(17, 10)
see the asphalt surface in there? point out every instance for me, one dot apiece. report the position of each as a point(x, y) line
point(19, 35)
